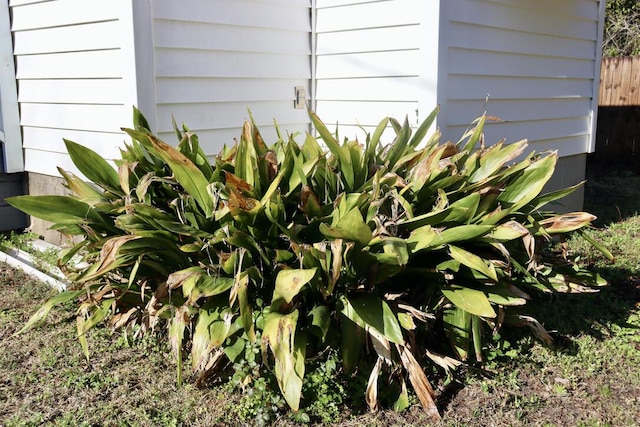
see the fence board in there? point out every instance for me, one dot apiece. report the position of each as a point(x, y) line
point(618, 131)
point(620, 81)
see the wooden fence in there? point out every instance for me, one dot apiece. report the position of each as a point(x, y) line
point(620, 81)
point(618, 132)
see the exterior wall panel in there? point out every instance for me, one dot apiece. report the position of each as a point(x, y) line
point(368, 63)
point(70, 69)
point(214, 60)
point(532, 64)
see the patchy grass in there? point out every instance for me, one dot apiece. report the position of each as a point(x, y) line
point(590, 378)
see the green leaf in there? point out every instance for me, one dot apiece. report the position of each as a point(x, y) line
point(242, 288)
point(471, 300)
point(186, 173)
point(350, 227)
point(93, 166)
point(45, 308)
point(496, 157)
point(427, 237)
point(395, 251)
point(246, 158)
point(545, 199)
point(290, 282)
point(207, 286)
point(476, 332)
point(424, 127)
point(474, 135)
point(351, 341)
point(321, 319)
point(474, 262)
point(344, 159)
point(599, 246)
point(530, 183)
point(501, 295)
point(85, 192)
point(57, 209)
point(457, 324)
point(371, 311)
point(212, 329)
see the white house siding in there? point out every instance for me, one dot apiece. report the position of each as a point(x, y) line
point(214, 59)
point(71, 68)
point(368, 62)
point(530, 63)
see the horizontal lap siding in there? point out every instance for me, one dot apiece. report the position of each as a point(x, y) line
point(69, 67)
point(214, 60)
point(529, 63)
point(368, 62)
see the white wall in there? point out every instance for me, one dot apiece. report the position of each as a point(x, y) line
point(215, 59)
point(369, 62)
point(535, 62)
point(71, 66)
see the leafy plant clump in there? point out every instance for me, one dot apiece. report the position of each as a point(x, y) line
point(396, 256)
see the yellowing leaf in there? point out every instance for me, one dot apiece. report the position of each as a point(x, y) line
point(288, 348)
point(290, 282)
point(567, 222)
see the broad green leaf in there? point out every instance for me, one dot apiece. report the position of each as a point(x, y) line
point(476, 333)
point(501, 295)
point(342, 155)
point(372, 144)
point(599, 246)
point(424, 127)
point(530, 183)
point(471, 300)
point(246, 166)
point(186, 173)
point(85, 192)
point(242, 289)
point(496, 157)
point(350, 227)
point(62, 210)
point(45, 308)
point(507, 231)
point(352, 338)
point(474, 135)
point(395, 251)
point(94, 167)
point(97, 313)
point(474, 262)
point(545, 199)
point(372, 312)
point(427, 237)
point(321, 319)
point(290, 282)
point(457, 324)
point(140, 121)
point(399, 145)
point(207, 286)
point(212, 328)
point(402, 402)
